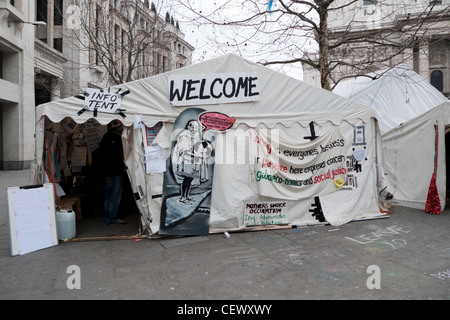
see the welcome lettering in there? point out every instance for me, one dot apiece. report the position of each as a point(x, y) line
point(212, 89)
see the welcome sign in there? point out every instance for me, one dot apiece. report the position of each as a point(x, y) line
point(294, 171)
point(213, 88)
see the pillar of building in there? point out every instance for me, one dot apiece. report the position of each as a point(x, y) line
point(424, 61)
point(50, 22)
point(55, 88)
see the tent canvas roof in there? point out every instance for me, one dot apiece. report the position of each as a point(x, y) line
point(283, 99)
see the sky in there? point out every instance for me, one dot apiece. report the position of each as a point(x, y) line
point(202, 37)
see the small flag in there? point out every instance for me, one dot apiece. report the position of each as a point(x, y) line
point(269, 5)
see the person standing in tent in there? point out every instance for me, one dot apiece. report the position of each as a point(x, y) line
point(114, 167)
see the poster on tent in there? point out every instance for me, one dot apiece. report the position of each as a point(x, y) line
point(187, 186)
point(297, 170)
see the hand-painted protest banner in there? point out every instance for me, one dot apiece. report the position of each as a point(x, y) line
point(265, 213)
point(293, 171)
point(152, 132)
point(187, 186)
point(185, 90)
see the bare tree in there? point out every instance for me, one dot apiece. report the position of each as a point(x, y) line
point(124, 40)
point(393, 32)
point(286, 32)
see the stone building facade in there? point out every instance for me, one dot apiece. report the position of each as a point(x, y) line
point(428, 54)
point(48, 52)
point(16, 84)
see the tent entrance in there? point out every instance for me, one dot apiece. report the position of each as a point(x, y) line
point(68, 158)
point(91, 225)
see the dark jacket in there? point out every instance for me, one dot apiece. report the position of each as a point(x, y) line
point(111, 154)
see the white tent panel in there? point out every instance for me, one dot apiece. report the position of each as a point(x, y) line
point(398, 95)
point(410, 151)
point(284, 103)
point(408, 109)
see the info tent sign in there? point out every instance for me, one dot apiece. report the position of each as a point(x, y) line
point(103, 100)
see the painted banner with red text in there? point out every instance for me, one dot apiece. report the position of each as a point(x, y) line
point(298, 170)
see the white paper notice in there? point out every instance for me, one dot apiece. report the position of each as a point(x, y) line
point(32, 218)
point(359, 154)
point(359, 135)
point(155, 160)
point(137, 122)
point(79, 156)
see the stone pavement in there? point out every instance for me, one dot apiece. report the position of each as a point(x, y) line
point(410, 251)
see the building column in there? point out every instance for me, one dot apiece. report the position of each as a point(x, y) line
point(55, 88)
point(424, 61)
point(50, 22)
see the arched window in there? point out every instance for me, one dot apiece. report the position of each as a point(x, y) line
point(437, 80)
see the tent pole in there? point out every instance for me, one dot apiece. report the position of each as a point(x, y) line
point(51, 170)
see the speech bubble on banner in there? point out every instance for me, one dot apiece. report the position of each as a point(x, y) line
point(216, 121)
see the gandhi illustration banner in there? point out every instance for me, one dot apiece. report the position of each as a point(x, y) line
point(188, 179)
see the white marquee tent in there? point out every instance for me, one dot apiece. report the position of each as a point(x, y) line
point(344, 150)
point(409, 108)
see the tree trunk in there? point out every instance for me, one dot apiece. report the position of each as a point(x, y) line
point(322, 39)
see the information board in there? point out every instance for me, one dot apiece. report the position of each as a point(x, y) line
point(32, 219)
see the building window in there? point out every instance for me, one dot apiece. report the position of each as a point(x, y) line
point(437, 80)
point(58, 44)
point(116, 38)
point(58, 12)
point(98, 12)
point(41, 10)
point(122, 54)
point(369, 2)
point(11, 2)
point(158, 63)
point(164, 64)
point(1, 65)
point(416, 56)
point(435, 2)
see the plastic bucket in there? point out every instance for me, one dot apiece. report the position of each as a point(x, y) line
point(65, 224)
